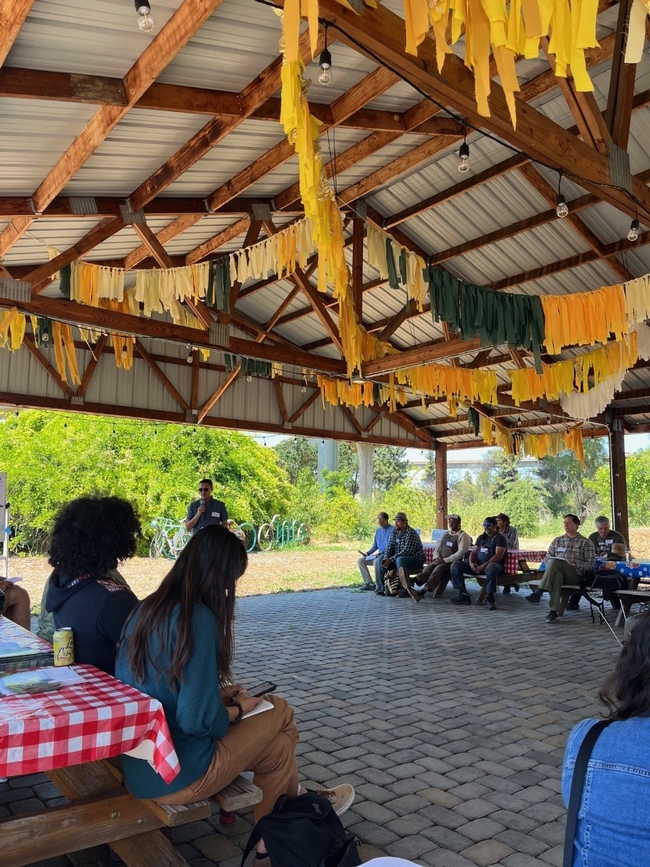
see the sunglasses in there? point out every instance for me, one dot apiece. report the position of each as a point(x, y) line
point(487, 526)
point(201, 490)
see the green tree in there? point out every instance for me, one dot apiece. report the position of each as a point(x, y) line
point(349, 465)
point(637, 470)
point(52, 458)
point(563, 480)
point(390, 466)
point(429, 476)
point(521, 502)
point(297, 454)
point(503, 472)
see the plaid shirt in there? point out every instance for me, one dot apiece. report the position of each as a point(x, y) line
point(579, 549)
point(405, 544)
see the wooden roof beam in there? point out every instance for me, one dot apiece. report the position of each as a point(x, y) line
point(621, 84)
point(12, 17)
point(379, 32)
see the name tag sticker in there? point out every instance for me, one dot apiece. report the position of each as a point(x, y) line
point(449, 544)
point(609, 541)
point(483, 550)
point(560, 550)
point(216, 514)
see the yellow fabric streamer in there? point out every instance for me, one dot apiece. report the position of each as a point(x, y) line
point(12, 329)
point(584, 318)
point(65, 356)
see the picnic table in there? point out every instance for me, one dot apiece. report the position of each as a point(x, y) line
point(20, 649)
point(516, 568)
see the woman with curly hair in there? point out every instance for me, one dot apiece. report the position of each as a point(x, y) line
point(178, 647)
point(613, 828)
point(91, 536)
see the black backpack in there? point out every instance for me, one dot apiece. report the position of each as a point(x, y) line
point(304, 832)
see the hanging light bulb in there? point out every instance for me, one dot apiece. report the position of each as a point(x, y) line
point(463, 153)
point(124, 351)
point(548, 419)
point(190, 357)
point(325, 63)
point(303, 387)
point(519, 421)
point(249, 378)
point(633, 234)
point(145, 19)
point(561, 207)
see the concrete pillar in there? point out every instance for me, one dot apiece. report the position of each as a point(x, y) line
point(328, 457)
point(441, 485)
point(618, 478)
point(366, 452)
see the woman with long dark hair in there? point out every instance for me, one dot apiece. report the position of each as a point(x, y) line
point(613, 827)
point(91, 535)
point(178, 647)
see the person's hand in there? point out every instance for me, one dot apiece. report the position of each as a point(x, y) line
point(476, 568)
point(247, 702)
point(386, 562)
point(438, 561)
point(201, 509)
point(571, 562)
point(232, 690)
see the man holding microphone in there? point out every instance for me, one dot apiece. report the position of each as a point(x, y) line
point(205, 510)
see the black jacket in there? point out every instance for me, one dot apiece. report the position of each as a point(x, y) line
point(96, 611)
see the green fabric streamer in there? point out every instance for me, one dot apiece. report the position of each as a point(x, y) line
point(230, 362)
point(210, 292)
point(403, 267)
point(474, 420)
point(376, 392)
point(494, 317)
point(393, 280)
point(220, 284)
point(254, 367)
point(43, 331)
point(64, 286)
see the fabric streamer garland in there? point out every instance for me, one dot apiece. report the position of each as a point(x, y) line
point(12, 329)
point(397, 264)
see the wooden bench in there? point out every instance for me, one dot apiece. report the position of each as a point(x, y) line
point(239, 794)
point(628, 598)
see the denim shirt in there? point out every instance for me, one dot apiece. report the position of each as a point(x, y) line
point(614, 817)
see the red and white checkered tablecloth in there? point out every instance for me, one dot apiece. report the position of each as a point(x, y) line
point(512, 557)
point(83, 722)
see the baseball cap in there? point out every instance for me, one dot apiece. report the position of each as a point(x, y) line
point(400, 516)
point(454, 516)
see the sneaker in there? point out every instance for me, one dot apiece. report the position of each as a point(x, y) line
point(402, 578)
point(340, 797)
point(573, 606)
point(368, 587)
point(463, 599)
point(415, 595)
point(489, 602)
point(403, 594)
point(418, 587)
point(534, 597)
point(506, 590)
point(551, 617)
point(379, 593)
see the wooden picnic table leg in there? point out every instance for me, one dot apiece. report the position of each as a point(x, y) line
point(626, 606)
point(483, 591)
point(564, 600)
point(148, 849)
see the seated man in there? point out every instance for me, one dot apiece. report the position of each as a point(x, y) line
point(512, 535)
point(571, 559)
point(375, 554)
point(404, 551)
point(487, 557)
point(16, 604)
point(451, 547)
point(611, 546)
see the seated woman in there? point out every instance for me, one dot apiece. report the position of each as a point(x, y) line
point(90, 536)
point(16, 606)
point(178, 647)
point(619, 766)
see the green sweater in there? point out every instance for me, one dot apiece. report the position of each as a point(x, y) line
point(195, 714)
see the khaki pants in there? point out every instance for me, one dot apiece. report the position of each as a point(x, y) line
point(263, 744)
point(558, 572)
point(17, 604)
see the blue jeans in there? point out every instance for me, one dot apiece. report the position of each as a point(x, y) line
point(461, 568)
point(407, 563)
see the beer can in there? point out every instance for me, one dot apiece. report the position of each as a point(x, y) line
point(63, 646)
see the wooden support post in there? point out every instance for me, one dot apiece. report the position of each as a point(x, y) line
point(618, 478)
point(441, 485)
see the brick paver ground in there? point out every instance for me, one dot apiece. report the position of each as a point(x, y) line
point(450, 722)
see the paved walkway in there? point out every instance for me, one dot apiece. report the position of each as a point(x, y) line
point(449, 722)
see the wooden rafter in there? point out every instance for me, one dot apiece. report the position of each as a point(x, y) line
point(154, 246)
point(52, 372)
point(313, 397)
point(12, 17)
point(158, 373)
point(225, 237)
point(218, 392)
point(183, 24)
point(621, 83)
point(103, 230)
point(281, 402)
point(381, 33)
point(95, 355)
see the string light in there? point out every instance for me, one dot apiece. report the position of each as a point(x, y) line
point(519, 421)
point(325, 63)
point(145, 19)
point(303, 387)
point(249, 378)
point(633, 234)
point(124, 351)
point(561, 207)
point(463, 153)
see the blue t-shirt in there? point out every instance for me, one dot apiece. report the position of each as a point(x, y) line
point(215, 513)
point(382, 535)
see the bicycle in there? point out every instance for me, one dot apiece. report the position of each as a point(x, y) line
point(169, 538)
point(246, 533)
